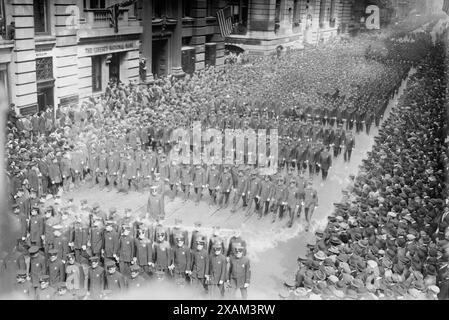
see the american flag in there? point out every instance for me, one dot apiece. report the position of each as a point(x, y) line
point(225, 21)
point(446, 6)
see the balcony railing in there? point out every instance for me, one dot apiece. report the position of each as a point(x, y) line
point(100, 18)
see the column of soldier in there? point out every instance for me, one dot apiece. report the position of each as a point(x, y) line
point(388, 238)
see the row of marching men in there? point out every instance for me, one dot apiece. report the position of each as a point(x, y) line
point(98, 261)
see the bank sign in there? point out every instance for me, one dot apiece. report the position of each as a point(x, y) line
point(91, 50)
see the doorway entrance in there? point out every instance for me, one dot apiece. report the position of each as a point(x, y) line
point(160, 57)
point(114, 67)
point(45, 98)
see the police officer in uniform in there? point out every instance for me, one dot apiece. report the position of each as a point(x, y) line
point(217, 271)
point(115, 281)
point(310, 202)
point(136, 281)
point(200, 263)
point(180, 260)
point(96, 278)
point(239, 273)
point(45, 292)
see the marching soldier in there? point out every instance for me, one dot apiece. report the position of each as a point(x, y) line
point(310, 202)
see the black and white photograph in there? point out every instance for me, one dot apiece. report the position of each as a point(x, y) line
point(244, 153)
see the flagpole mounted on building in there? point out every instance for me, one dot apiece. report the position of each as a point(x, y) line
point(114, 12)
point(224, 17)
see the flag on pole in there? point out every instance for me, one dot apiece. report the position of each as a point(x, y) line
point(446, 6)
point(224, 17)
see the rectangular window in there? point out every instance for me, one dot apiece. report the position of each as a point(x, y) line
point(186, 9)
point(277, 12)
point(94, 4)
point(2, 20)
point(296, 11)
point(332, 14)
point(159, 8)
point(210, 12)
point(322, 13)
point(44, 69)
point(41, 16)
point(96, 73)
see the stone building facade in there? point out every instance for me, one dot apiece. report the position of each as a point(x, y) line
point(59, 52)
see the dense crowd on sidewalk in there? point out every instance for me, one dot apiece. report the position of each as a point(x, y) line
point(388, 238)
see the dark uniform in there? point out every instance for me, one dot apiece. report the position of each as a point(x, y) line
point(217, 272)
point(56, 269)
point(96, 279)
point(200, 263)
point(115, 281)
point(239, 274)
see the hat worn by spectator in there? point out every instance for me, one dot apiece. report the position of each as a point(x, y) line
point(320, 255)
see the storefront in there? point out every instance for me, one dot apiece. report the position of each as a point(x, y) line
point(100, 63)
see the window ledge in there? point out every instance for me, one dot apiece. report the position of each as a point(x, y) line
point(45, 38)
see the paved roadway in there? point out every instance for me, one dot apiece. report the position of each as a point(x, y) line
point(272, 248)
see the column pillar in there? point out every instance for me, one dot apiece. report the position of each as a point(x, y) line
point(147, 38)
point(176, 41)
